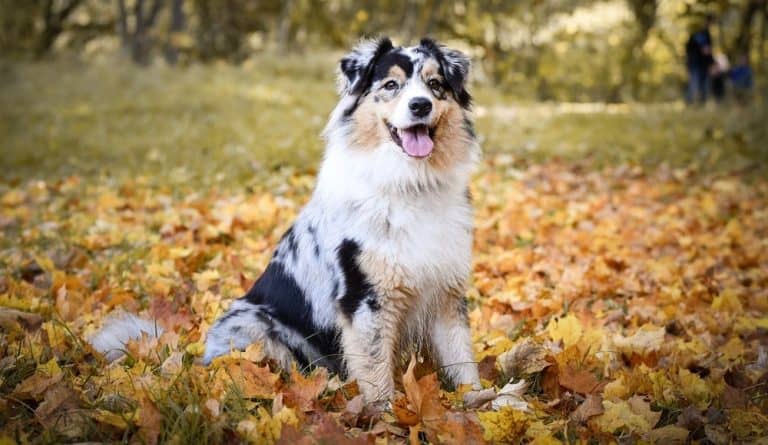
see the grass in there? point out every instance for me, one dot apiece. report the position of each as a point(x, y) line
point(233, 126)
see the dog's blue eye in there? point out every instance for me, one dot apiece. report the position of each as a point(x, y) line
point(391, 85)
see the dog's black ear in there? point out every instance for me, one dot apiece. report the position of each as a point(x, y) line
point(455, 66)
point(356, 68)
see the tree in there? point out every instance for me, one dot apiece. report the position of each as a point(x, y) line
point(138, 39)
point(54, 14)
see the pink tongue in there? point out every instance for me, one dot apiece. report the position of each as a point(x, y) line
point(416, 141)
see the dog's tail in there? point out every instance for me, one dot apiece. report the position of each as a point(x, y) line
point(110, 340)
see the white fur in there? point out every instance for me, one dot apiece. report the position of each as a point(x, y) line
point(118, 330)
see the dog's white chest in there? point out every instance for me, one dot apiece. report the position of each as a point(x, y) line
point(425, 241)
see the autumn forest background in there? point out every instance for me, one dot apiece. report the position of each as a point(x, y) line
point(152, 153)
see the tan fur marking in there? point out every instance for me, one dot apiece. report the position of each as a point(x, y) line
point(396, 72)
point(369, 130)
point(452, 142)
point(430, 69)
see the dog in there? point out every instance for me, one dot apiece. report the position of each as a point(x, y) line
point(375, 265)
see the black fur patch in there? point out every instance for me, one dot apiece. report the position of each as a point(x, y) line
point(381, 70)
point(358, 288)
point(230, 314)
point(453, 68)
point(280, 296)
point(361, 76)
point(469, 127)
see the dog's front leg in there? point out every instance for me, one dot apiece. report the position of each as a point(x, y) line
point(368, 339)
point(452, 341)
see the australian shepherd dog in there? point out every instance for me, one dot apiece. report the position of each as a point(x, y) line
point(375, 266)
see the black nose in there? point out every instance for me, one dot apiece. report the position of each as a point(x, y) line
point(420, 106)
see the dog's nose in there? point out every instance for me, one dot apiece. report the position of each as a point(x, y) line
point(420, 106)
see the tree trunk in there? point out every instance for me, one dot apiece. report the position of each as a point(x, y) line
point(122, 24)
point(177, 26)
point(743, 42)
point(284, 25)
point(53, 23)
point(140, 42)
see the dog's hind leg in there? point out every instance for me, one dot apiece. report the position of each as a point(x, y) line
point(245, 323)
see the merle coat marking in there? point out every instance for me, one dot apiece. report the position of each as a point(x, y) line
point(376, 263)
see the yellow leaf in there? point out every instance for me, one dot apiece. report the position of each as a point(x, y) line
point(265, 428)
point(748, 425)
point(506, 425)
point(616, 389)
point(646, 339)
point(50, 368)
point(110, 418)
point(727, 301)
point(634, 414)
point(205, 279)
point(670, 434)
point(568, 329)
point(197, 348)
point(694, 388)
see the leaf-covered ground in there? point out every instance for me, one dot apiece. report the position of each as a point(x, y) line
point(610, 301)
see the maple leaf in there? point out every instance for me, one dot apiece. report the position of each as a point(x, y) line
point(302, 392)
point(440, 424)
point(582, 381)
point(592, 406)
point(567, 329)
point(254, 381)
point(634, 414)
point(506, 425)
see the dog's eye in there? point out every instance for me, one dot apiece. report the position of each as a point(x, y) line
point(391, 85)
point(435, 85)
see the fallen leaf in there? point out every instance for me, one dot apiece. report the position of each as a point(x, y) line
point(592, 406)
point(581, 381)
point(254, 381)
point(511, 396)
point(526, 357)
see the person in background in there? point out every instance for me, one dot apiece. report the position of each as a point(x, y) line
point(698, 55)
point(719, 72)
point(741, 79)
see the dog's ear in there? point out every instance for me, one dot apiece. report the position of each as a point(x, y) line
point(455, 66)
point(356, 68)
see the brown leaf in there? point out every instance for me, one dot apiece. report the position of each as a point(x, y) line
point(734, 398)
point(34, 386)
point(526, 357)
point(12, 317)
point(592, 406)
point(578, 380)
point(150, 421)
point(441, 425)
point(423, 394)
point(487, 368)
point(404, 415)
point(253, 380)
point(302, 393)
point(59, 397)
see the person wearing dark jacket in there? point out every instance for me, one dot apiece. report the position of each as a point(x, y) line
point(698, 55)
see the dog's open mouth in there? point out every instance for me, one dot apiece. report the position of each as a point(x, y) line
point(416, 141)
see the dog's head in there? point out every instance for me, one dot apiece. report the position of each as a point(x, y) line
point(408, 102)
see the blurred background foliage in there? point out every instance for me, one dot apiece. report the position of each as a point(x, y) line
point(566, 50)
